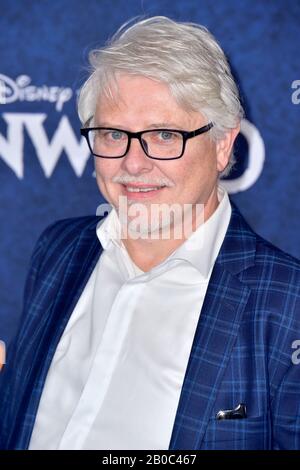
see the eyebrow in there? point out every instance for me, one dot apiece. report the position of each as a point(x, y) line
point(157, 125)
point(169, 125)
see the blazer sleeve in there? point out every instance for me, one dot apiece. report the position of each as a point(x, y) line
point(286, 411)
point(285, 404)
point(9, 373)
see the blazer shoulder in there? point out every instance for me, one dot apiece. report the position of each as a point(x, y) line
point(61, 235)
point(243, 237)
point(72, 225)
point(274, 271)
point(267, 253)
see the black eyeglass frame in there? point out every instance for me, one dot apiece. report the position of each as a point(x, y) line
point(186, 135)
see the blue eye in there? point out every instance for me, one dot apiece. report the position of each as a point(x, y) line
point(166, 135)
point(116, 135)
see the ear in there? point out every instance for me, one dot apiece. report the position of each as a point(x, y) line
point(224, 147)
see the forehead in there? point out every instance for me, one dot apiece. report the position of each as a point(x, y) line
point(133, 96)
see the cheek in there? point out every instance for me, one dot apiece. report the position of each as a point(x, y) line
point(106, 169)
point(197, 171)
point(203, 160)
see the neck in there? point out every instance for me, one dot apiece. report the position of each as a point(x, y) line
point(149, 252)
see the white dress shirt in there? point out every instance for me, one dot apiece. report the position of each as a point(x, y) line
point(117, 373)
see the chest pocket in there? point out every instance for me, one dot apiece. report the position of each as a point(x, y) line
point(246, 434)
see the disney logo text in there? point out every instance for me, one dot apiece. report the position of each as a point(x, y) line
point(22, 90)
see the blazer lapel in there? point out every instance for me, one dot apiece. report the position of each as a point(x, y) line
point(74, 278)
point(67, 278)
point(222, 311)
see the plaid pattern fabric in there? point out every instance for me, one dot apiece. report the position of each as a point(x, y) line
point(241, 353)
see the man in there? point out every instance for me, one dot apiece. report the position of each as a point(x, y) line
point(134, 337)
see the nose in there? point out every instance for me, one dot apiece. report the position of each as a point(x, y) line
point(136, 161)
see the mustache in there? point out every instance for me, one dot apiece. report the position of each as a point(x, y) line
point(143, 179)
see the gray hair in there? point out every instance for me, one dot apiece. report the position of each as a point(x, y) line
point(183, 55)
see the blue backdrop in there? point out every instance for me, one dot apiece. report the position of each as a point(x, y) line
point(45, 169)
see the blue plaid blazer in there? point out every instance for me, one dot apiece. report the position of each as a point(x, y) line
point(242, 350)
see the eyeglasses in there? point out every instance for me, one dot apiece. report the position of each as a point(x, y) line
point(159, 144)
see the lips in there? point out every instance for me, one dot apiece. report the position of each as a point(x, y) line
point(141, 191)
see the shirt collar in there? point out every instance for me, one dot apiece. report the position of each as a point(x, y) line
point(108, 230)
point(200, 249)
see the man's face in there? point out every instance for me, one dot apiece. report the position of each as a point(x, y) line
point(143, 104)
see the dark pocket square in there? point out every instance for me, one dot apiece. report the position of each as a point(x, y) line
point(237, 413)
